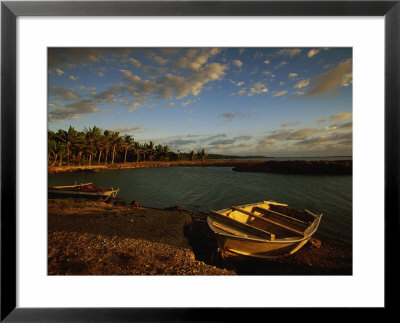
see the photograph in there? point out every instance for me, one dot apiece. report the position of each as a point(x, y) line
point(200, 161)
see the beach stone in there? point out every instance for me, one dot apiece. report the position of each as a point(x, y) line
point(175, 208)
point(135, 203)
point(315, 243)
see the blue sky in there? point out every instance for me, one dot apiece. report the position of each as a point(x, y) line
point(242, 101)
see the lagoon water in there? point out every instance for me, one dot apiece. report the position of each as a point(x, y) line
point(200, 189)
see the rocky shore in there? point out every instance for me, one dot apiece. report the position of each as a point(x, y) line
point(95, 238)
point(151, 164)
point(320, 167)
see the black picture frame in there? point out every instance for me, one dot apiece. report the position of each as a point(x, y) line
point(10, 10)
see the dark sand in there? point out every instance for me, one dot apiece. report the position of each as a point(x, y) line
point(94, 238)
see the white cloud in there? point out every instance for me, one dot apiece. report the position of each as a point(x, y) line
point(301, 84)
point(279, 93)
point(237, 62)
point(258, 89)
point(242, 91)
point(281, 64)
point(63, 94)
point(340, 116)
point(186, 103)
point(195, 58)
point(125, 130)
point(229, 116)
point(134, 106)
point(292, 134)
point(135, 63)
point(337, 77)
point(313, 52)
point(289, 124)
point(245, 145)
point(59, 72)
point(268, 73)
point(160, 60)
point(289, 52)
point(265, 144)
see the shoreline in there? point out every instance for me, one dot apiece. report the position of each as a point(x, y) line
point(314, 167)
point(96, 238)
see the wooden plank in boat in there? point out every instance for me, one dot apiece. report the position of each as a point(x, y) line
point(305, 216)
point(268, 220)
point(244, 226)
point(281, 214)
point(229, 229)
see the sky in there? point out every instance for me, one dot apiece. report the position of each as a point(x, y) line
point(277, 102)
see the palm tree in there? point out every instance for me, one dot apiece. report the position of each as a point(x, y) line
point(192, 155)
point(107, 144)
point(79, 145)
point(143, 150)
point(92, 135)
point(202, 154)
point(115, 144)
point(51, 140)
point(137, 150)
point(127, 143)
point(149, 148)
point(100, 145)
point(75, 147)
point(166, 151)
point(159, 152)
point(56, 149)
point(68, 138)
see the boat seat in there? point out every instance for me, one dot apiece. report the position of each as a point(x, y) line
point(280, 225)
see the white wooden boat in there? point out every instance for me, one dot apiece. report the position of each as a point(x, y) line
point(85, 190)
point(263, 230)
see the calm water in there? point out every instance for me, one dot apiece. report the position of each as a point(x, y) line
point(203, 188)
point(306, 158)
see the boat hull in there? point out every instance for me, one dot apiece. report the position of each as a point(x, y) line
point(80, 194)
point(236, 246)
point(105, 195)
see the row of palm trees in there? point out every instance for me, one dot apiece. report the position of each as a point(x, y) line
point(92, 145)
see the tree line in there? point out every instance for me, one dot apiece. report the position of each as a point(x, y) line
point(93, 146)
